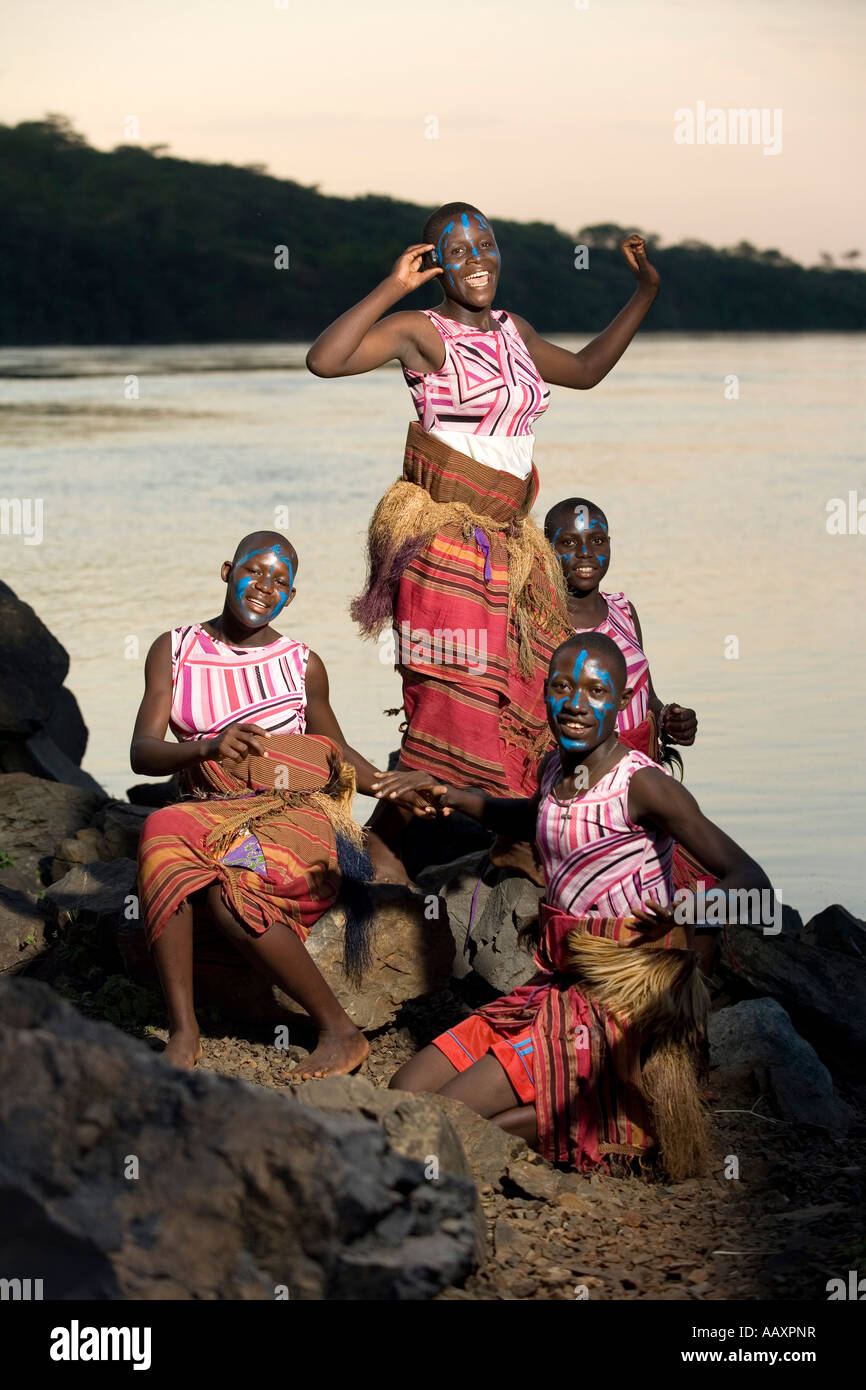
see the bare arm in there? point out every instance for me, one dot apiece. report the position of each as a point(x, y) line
point(151, 753)
point(358, 342)
point(322, 720)
point(658, 800)
point(586, 368)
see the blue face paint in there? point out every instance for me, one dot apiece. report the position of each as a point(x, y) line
point(243, 584)
point(599, 709)
point(440, 251)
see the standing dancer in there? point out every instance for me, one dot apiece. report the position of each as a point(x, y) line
point(451, 548)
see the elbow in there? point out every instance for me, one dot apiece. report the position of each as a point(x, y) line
point(316, 365)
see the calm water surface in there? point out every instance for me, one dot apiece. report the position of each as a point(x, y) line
point(718, 512)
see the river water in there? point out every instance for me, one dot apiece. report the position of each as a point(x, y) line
point(714, 456)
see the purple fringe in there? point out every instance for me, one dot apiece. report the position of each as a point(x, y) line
point(375, 606)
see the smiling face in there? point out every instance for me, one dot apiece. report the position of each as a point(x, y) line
point(581, 541)
point(467, 251)
point(584, 692)
point(260, 581)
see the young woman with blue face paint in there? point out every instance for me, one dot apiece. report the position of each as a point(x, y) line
point(579, 533)
point(604, 818)
point(226, 687)
point(445, 538)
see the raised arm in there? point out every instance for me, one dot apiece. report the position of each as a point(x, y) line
point(358, 342)
point(586, 368)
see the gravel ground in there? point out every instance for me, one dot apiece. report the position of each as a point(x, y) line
point(791, 1220)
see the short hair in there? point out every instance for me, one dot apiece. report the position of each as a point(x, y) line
point(261, 540)
point(599, 644)
point(569, 504)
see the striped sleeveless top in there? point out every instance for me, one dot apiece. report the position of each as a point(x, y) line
point(595, 859)
point(487, 385)
point(619, 627)
point(214, 685)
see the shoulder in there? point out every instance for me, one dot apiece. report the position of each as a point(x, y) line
point(158, 662)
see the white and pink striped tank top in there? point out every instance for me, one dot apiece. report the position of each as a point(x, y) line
point(596, 860)
point(487, 391)
point(214, 685)
point(619, 627)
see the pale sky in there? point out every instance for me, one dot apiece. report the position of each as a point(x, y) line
point(548, 110)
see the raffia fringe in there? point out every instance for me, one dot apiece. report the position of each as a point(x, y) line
point(536, 589)
point(334, 801)
point(662, 992)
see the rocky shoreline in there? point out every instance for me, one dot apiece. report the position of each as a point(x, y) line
point(341, 1189)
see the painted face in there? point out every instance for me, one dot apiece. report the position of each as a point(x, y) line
point(468, 253)
point(582, 700)
point(582, 544)
point(260, 583)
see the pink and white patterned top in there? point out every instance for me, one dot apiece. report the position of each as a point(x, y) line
point(619, 627)
point(487, 385)
point(596, 860)
point(215, 685)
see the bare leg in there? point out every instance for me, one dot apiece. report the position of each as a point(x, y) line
point(283, 958)
point(385, 830)
point(428, 1070)
point(172, 954)
point(521, 1120)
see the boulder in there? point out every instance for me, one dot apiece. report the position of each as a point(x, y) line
point(114, 834)
point(125, 1178)
point(411, 957)
point(824, 993)
point(836, 929)
point(758, 1034)
point(36, 815)
point(33, 666)
point(486, 909)
point(22, 929)
point(95, 893)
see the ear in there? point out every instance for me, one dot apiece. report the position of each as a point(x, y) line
point(625, 698)
point(225, 571)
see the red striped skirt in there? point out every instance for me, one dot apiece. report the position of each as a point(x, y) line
point(300, 881)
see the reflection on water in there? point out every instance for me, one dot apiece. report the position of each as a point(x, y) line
point(718, 513)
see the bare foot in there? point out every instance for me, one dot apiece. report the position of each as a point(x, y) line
point(183, 1050)
point(337, 1054)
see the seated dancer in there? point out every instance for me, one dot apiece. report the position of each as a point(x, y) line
point(596, 1055)
point(453, 557)
point(262, 865)
point(578, 531)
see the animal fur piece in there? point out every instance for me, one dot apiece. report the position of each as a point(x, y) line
point(662, 993)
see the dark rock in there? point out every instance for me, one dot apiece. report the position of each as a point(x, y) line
point(415, 1125)
point(487, 908)
point(95, 893)
point(66, 727)
point(441, 841)
point(33, 666)
point(22, 930)
point(154, 794)
point(39, 756)
point(124, 1178)
point(824, 993)
point(759, 1034)
point(35, 815)
point(836, 929)
point(121, 826)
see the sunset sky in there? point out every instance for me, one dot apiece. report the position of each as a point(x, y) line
point(547, 110)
